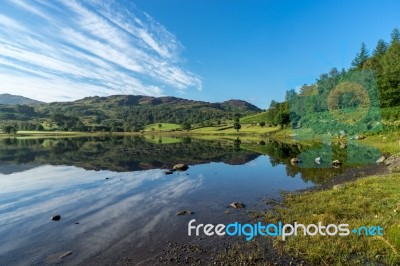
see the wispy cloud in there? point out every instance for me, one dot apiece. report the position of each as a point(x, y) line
point(128, 206)
point(72, 49)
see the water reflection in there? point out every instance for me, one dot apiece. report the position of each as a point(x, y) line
point(120, 211)
point(113, 196)
point(118, 153)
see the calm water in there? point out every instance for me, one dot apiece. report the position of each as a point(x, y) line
point(115, 200)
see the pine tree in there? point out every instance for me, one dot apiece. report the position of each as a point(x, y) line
point(361, 57)
point(381, 48)
point(395, 36)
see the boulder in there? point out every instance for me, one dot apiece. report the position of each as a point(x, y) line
point(381, 160)
point(180, 167)
point(56, 217)
point(393, 163)
point(237, 205)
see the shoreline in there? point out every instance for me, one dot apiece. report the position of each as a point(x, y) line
point(261, 250)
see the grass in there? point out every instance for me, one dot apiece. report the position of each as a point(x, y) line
point(164, 127)
point(369, 201)
point(388, 142)
point(257, 118)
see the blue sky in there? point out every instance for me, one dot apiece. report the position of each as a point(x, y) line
point(206, 50)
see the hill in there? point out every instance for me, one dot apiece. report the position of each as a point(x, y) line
point(15, 99)
point(121, 113)
point(257, 118)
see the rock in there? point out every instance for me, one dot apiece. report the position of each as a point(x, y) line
point(359, 137)
point(381, 160)
point(56, 218)
point(318, 160)
point(237, 205)
point(338, 187)
point(169, 172)
point(66, 254)
point(336, 163)
point(295, 161)
point(180, 167)
point(391, 159)
point(185, 212)
point(393, 163)
point(343, 145)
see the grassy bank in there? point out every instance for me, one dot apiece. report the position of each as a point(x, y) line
point(370, 201)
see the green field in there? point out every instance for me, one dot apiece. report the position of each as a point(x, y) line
point(164, 127)
point(257, 118)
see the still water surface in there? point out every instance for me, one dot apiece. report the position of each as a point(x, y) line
point(115, 200)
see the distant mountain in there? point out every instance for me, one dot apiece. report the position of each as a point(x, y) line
point(124, 113)
point(139, 100)
point(15, 99)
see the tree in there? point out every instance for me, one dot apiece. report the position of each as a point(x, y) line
point(262, 123)
point(282, 118)
point(237, 126)
point(390, 78)
point(39, 127)
point(10, 130)
point(380, 48)
point(395, 36)
point(186, 125)
point(25, 109)
point(236, 144)
point(160, 126)
point(361, 57)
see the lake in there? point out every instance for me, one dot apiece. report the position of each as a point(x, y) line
point(115, 200)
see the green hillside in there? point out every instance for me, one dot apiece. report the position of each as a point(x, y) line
point(257, 118)
point(120, 113)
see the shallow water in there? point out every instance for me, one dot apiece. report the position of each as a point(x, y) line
point(115, 200)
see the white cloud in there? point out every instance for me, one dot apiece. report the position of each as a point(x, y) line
point(70, 49)
point(133, 203)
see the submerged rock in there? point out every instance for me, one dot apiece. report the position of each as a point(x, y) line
point(180, 167)
point(185, 212)
point(66, 254)
point(237, 205)
point(168, 172)
point(318, 160)
point(56, 217)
